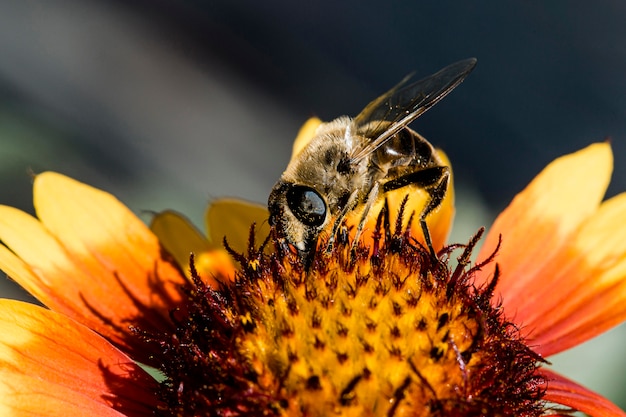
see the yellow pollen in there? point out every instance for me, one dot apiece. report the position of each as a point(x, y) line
point(363, 341)
point(384, 330)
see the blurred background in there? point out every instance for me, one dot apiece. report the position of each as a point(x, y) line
point(169, 104)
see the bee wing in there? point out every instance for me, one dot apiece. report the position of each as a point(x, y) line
point(386, 115)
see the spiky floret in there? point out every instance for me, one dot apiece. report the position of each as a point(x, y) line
point(363, 331)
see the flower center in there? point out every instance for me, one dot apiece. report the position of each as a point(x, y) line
point(369, 339)
point(384, 330)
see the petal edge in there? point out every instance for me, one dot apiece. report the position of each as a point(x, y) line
point(563, 391)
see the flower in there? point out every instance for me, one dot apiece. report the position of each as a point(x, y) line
point(384, 331)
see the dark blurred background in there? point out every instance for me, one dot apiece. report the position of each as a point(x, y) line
point(168, 104)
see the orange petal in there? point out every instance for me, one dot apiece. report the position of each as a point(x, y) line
point(225, 218)
point(588, 283)
point(232, 218)
point(440, 221)
point(181, 239)
point(562, 391)
point(52, 366)
point(90, 258)
point(539, 222)
point(178, 235)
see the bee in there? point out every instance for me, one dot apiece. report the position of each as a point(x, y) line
point(351, 162)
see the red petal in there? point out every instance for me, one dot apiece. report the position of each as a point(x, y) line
point(539, 221)
point(589, 283)
point(563, 254)
point(562, 391)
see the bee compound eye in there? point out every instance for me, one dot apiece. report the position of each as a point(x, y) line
point(307, 205)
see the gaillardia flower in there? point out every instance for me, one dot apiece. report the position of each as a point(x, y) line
point(381, 330)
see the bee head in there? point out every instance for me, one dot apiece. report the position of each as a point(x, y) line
point(297, 215)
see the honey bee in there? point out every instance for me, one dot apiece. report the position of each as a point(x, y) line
point(351, 162)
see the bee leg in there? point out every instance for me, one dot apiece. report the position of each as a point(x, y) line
point(429, 242)
point(342, 214)
point(437, 192)
point(434, 181)
point(371, 198)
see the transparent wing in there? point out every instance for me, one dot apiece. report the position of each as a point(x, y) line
point(386, 115)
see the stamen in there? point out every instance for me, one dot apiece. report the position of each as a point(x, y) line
point(384, 330)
